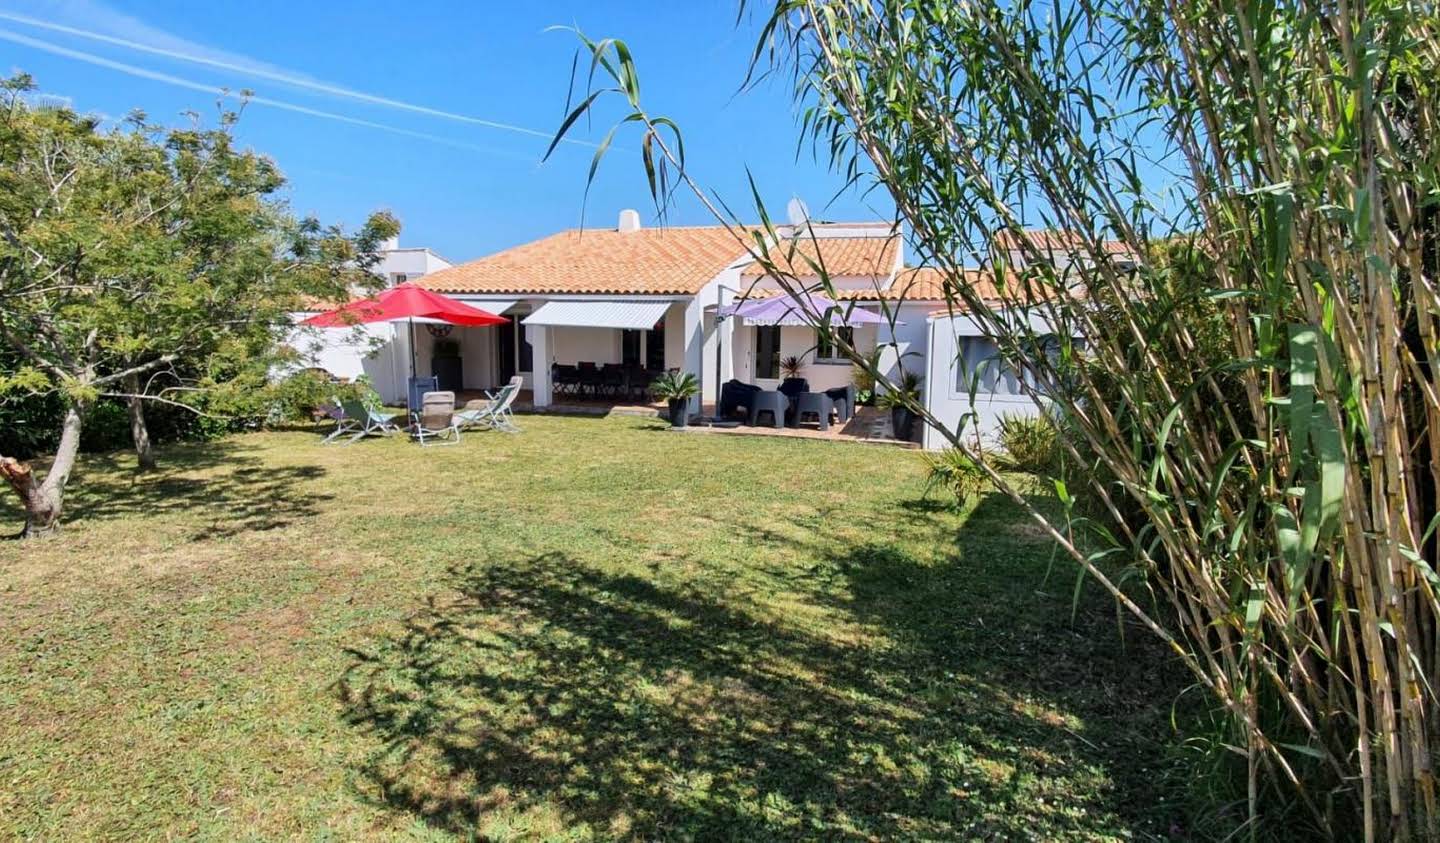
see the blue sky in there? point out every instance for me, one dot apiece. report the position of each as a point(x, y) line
point(462, 188)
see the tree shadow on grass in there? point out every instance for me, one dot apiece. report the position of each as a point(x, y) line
point(546, 695)
point(219, 486)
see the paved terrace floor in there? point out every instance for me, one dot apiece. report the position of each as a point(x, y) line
point(867, 425)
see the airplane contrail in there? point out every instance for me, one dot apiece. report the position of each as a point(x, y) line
point(157, 76)
point(283, 78)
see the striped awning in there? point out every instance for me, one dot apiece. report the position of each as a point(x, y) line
point(637, 315)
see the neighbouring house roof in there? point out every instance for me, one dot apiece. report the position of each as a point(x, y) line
point(840, 256)
point(651, 261)
point(1054, 240)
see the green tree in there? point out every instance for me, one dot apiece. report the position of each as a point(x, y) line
point(146, 264)
point(1264, 444)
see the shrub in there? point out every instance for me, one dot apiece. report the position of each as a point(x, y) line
point(1029, 443)
point(907, 392)
point(958, 473)
point(675, 386)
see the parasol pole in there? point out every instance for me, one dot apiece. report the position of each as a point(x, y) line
point(409, 390)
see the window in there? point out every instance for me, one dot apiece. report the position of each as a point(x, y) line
point(397, 278)
point(826, 350)
point(981, 368)
point(767, 351)
point(981, 364)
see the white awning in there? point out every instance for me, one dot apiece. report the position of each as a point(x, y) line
point(637, 315)
point(495, 306)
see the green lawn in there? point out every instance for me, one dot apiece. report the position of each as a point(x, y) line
point(597, 629)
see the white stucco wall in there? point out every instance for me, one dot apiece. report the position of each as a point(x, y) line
point(908, 340)
point(369, 350)
point(595, 345)
point(410, 262)
point(351, 352)
point(949, 399)
point(798, 341)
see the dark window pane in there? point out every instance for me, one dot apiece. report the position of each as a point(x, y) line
point(655, 348)
point(826, 350)
point(630, 348)
point(767, 351)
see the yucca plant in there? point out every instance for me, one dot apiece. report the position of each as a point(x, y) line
point(1238, 297)
point(1027, 443)
point(957, 471)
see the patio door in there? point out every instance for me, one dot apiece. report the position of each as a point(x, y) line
point(767, 351)
point(630, 349)
point(513, 350)
point(505, 340)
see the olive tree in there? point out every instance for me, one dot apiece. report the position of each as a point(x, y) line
point(145, 264)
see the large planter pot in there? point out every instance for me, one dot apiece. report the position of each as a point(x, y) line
point(902, 423)
point(679, 412)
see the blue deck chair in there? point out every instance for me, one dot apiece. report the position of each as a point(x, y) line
point(496, 413)
point(358, 419)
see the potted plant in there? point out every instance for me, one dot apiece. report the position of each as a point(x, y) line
point(791, 367)
point(676, 388)
point(900, 401)
point(864, 384)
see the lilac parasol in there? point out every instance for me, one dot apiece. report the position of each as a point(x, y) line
point(791, 309)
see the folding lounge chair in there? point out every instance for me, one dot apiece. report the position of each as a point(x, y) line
point(435, 424)
point(359, 419)
point(497, 412)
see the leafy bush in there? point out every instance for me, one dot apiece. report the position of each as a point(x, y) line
point(1029, 443)
point(906, 393)
point(958, 473)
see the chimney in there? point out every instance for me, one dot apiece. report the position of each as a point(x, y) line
point(629, 221)
point(390, 244)
point(796, 212)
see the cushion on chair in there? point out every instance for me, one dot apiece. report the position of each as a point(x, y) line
point(735, 394)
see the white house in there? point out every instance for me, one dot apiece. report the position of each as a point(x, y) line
point(648, 298)
point(379, 352)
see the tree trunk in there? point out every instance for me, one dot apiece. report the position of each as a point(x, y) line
point(43, 501)
point(138, 430)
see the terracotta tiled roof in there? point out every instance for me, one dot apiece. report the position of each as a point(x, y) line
point(651, 261)
point(1054, 240)
point(913, 284)
point(841, 256)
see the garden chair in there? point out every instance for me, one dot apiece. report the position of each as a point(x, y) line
point(435, 423)
point(496, 412)
point(359, 419)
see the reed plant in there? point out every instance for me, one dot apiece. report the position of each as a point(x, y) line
point(1235, 267)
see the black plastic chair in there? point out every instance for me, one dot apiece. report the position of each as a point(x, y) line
point(589, 377)
point(816, 404)
point(612, 379)
point(566, 379)
point(736, 396)
point(774, 403)
point(844, 398)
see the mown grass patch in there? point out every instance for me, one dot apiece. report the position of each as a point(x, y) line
point(597, 629)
